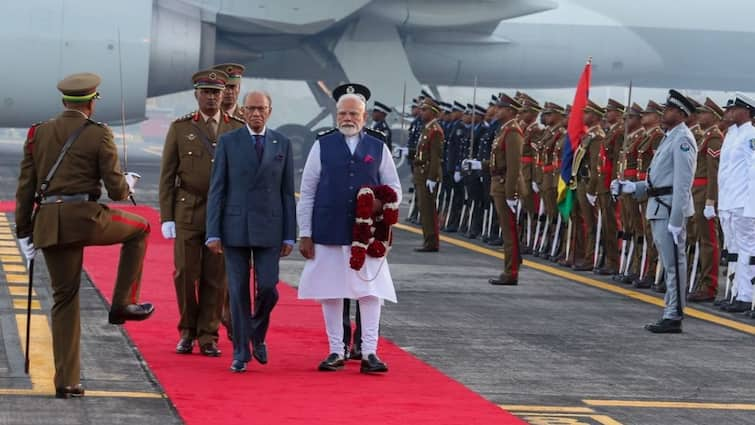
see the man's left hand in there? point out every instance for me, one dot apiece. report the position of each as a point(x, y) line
point(286, 250)
point(592, 199)
point(675, 232)
point(131, 179)
point(216, 247)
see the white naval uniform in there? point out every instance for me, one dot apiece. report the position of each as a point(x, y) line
point(328, 275)
point(735, 187)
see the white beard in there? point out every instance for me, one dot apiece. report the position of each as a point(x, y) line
point(349, 131)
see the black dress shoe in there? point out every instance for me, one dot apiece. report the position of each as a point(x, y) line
point(605, 271)
point(426, 249)
point(259, 352)
point(184, 346)
point(700, 297)
point(720, 302)
point(629, 278)
point(331, 364)
point(660, 288)
point(642, 283)
point(471, 235)
point(496, 242)
point(136, 312)
point(737, 307)
point(210, 349)
point(503, 281)
point(665, 326)
point(581, 267)
point(451, 230)
point(356, 353)
point(237, 366)
point(69, 391)
point(372, 364)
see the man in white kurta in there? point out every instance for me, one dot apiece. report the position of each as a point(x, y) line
point(327, 275)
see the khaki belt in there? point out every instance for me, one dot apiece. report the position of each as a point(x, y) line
point(65, 199)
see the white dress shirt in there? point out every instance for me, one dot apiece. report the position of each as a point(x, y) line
point(733, 168)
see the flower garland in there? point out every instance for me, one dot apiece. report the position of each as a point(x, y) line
point(371, 234)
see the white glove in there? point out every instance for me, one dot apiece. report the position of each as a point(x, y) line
point(431, 185)
point(625, 186)
point(475, 164)
point(465, 165)
point(675, 232)
point(592, 199)
point(169, 229)
point(27, 247)
point(131, 179)
point(457, 176)
point(535, 188)
point(709, 212)
point(512, 204)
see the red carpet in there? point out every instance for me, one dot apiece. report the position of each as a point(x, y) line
point(288, 390)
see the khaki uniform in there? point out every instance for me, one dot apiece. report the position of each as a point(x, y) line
point(584, 216)
point(607, 159)
point(428, 166)
point(631, 218)
point(238, 113)
point(532, 135)
point(549, 170)
point(199, 276)
point(705, 188)
point(505, 169)
point(63, 229)
point(645, 152)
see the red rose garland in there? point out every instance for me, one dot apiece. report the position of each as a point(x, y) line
point(371, 234)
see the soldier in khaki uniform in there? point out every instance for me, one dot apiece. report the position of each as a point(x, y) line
point(631, 219)
point(229, 104)
point(428, 172)
point(607, 157)
point(704, 224)
point(68, 218)
point(532, 134)
point(187, 159)
point(549, 172)
point(651, 121)
point(584, 171)
point(505, 166)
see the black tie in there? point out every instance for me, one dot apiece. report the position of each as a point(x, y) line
point(258, 146)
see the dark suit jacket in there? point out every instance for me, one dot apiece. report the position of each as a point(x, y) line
point(251, 203)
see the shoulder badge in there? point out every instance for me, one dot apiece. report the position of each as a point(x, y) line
point(185, 117)
point(375, 133)
point(32, 130)
point(235, 118)
point(752, 144)
point(685, 147)
point(326, 132)
point(715, 153)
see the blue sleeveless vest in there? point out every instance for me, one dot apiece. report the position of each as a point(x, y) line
point(341, 176)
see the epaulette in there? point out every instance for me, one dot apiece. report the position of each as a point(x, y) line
point(101, 124)
point(326, 132)
point(235, 118)
point(33, 129)
point(375, 133)
point(187, 117)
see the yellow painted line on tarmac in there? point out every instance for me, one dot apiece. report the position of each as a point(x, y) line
point(545, 409)
point(7, 243)
point(20, 303)
point(649, 299)
point(17, 278)
point(89, 393)
point(19, 290)
point(670, 404)
point(41, 369)
point(12, 259)
point(14, 268)
point(7, 238)
point(564, 418)
point(8, 251)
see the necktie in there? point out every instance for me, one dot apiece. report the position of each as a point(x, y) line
point(213, 127)
point(258, 146)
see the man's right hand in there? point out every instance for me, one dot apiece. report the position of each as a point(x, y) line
point(169, 229)
point(307, 248)
point(216, 246)
point(457, 176)
point(535, 187)
point(27, 247)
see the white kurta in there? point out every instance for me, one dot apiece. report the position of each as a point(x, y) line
point(329, 275)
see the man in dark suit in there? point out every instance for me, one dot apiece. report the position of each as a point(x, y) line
point(251, 216)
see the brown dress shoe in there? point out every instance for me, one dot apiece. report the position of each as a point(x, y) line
point(210, 349)
point(577, 267)
point(69, 391)
point(700, 297)
point(504, 280)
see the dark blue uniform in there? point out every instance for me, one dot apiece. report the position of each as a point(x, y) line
point(382, 127)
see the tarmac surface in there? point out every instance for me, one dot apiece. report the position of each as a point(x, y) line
point(560, 348)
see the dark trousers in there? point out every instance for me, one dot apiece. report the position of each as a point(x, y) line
point(475, 194)
point(251, 326)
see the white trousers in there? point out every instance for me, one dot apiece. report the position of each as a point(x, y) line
point(369, 307)
point(739, 233)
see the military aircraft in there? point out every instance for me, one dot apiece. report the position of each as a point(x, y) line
point(147, 48)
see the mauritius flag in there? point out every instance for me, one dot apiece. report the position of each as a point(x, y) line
point(575, 130)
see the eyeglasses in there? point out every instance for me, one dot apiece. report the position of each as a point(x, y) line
point(256, 108)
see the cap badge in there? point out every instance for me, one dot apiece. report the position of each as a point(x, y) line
point(350, 89)
point(212, 76)
point(191, 136)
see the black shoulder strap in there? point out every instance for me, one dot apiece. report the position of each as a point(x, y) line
point(72, 138)
point(205, 141)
